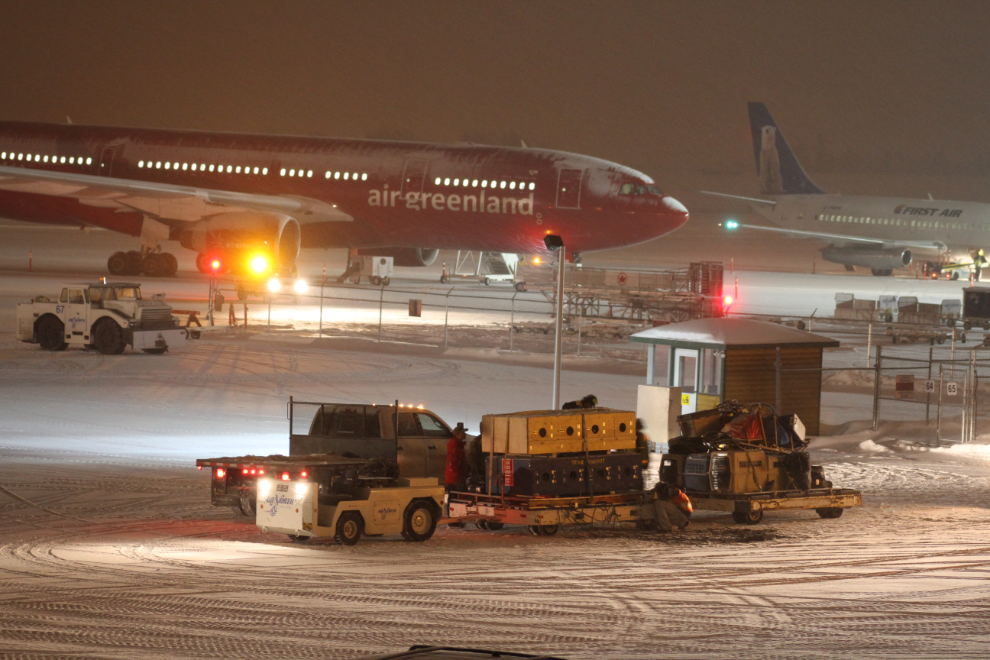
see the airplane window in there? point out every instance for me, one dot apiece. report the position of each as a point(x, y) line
point(328, 175)
point(437, 182)
point(282, 173)
point(63, 159)
point(238, 170)
point(501, 184)
point(140, 162)
point(89, 161)
point(255, 170)
point(474, 184)
point(457, 182)
point(354, 176)
point(292, 172)
point(512, 185)
point(446, 182)
point(229, 168)
point(158, 165)
point(265, 171)
point(336, 175)
point(211, 168)
point(626, 189)
point(364, 177)
point(347, 176)
point(46, 159)
point(20, 156)
point(185, 166)
point(5, 155)
point(484, 184)
point(309, 173)
point(168, 165)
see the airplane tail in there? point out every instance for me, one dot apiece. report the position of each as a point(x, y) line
point(777, 167)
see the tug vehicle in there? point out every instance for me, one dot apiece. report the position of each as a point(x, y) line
point(107, 317)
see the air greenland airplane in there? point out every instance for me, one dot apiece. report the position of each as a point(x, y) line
point(234, 198)
point(878, 233)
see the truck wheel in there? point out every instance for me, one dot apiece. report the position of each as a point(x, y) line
point(829, 512)
point(153, 265)
point(967, 326)
point(748, 517)
point(375, 280)
point(248, 504)
point(386, 281)
point(493, 525)
point(51, 334)
point(419, 523)
point(544, 530)
point(118, 263)
point(350, 526)
point(519, 286)
point(108, 338)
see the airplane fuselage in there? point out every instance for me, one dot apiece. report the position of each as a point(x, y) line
point(341, 192)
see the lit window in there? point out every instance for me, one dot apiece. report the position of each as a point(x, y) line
point(229, 168)
point(336, 175)
point(484, 184)
point(211, 168)
point(46, 159)
point(512, 186)
point(185, 166)
point(5, 155)
point(446, 182)
point(282, 173)
point(238, 170)
point(175, 166)
point(168, 165)
point(309, 173)
point(532, 186)
point(328, 174)
point(264, 171)
point(502, 184)
point(256, 170)
point(457, 182)
point(193, 167)
point(346, 175)
point(89, 161)
point(292, 172)
point(140, 163)
point(364, 177)
point(20, 156)
point(437, 182)
point(474, 184)
point(354, 176)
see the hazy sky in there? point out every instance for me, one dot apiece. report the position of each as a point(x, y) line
point(659, 86)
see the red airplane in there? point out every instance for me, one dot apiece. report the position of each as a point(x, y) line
point(235, 197)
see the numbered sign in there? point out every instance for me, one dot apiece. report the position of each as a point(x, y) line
point(952, 389)
point(929, 386)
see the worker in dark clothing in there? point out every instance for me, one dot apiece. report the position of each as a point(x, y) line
point(642, 445)
point(589, 401)
point(671, 507)
point(456, 471)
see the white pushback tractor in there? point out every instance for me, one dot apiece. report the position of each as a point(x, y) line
point(107, 317)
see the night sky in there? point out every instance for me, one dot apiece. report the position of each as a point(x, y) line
point(874, 87)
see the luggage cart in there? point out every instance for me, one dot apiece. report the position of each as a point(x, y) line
point(748, 508)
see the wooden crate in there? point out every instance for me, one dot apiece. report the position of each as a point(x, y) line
point(619, 424)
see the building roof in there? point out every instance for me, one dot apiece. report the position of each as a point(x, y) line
point(729, 333)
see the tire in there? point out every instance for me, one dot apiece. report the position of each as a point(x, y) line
point(171, 264)
point(153, 265)
point(299, 538)
point(386, 281)
point(118, 263)
point(484, 280)
point(967, 326)
point(519, 286)
point(829, 512)
point(494, 525)
point(482, 524)
point(136, 262)
point(375, 280)
point(108, 338)
point(748, 517)
point(51, 334)
point(951, 323)
point(350, 526)
point(419, 522)
point(247, 504)
point(544, 530)
point(154, 351)
point(201, 264)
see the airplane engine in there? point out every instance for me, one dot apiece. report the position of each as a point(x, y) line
point(239, 238)
point(405, 257)
point(880, 261)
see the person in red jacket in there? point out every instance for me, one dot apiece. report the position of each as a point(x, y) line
point(456, 471)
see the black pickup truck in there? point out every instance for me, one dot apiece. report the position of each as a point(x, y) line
point(340, 436)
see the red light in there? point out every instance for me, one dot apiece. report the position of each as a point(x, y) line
point(199, 467)
point(253, 471)
point(261, 471)
point(216, 264)
point(221, 473)
point(244, 471)
point(304, 474)
point(728, 300)
point(285, 476)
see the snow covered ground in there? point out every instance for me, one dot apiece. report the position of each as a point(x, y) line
point(109, 547)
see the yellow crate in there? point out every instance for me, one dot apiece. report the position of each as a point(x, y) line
point(611, 424)
point(556, 432)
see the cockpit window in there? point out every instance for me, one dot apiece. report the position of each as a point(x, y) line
point(640, 190)
point(637, 189)
point(655, 190)
point(627, 189)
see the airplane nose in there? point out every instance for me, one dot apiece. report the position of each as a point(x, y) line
point(674, 208)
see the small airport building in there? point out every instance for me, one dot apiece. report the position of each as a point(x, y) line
point(735, 359)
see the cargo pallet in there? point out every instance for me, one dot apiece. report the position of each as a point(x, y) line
point(545, 515)
point(748, 508)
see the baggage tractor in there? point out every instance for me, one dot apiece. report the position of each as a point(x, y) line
point(549, 476)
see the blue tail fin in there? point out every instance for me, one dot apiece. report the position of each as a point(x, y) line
point(776, 165)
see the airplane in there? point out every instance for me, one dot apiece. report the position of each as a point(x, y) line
point(250, 202)
point(879, 233)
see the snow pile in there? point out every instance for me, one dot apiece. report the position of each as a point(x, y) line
point(965, 453)
point(871, 446)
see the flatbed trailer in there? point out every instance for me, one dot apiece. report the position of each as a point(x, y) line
point(748, 508)
point(545, 515)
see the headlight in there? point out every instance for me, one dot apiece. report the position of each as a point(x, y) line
point(300, 286)
point(259, 264)
point(274, 285)
point(301, 489)
point(264, 486)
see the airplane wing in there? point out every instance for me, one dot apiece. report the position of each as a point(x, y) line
point(167, 203)
point(798, 233)
point(756, 200)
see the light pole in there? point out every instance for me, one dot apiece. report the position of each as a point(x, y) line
point(555, 243)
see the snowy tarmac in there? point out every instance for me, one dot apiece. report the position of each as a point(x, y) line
point(109, 547)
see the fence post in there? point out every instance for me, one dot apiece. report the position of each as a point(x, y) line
point(580, 316)
point(446, 315)
point(976, 382)
point(876, 387)
point(381, 304)
point(776, 366)
point(512, 320)
point(938, 413)
point(322, 283)
point(869, 345)
point(928, 395)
